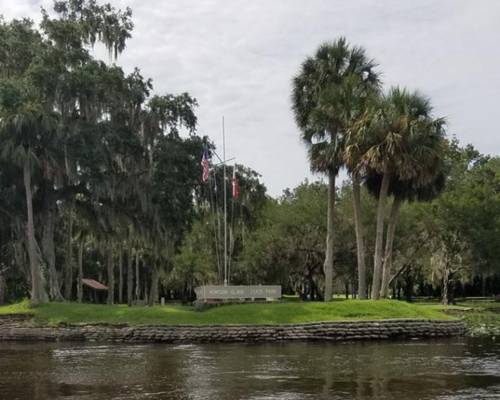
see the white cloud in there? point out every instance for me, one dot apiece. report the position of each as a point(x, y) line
point(237, 57)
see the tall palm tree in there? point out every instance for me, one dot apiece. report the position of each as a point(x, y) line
point(403, 142)
point(325, 99)
point(427, 145)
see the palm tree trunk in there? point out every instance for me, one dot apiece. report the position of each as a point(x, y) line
point(379, 238)
point(130, 276)
point(328, 265)
point(360, 240)
point(79, 287)
point(38, 290)
point(391, 231)
point(120, 276)
point(111, 276)
point(68, 275)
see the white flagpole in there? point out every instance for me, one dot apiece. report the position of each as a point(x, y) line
point(225, 202)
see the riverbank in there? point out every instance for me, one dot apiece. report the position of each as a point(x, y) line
point(333, 321)
point(54, 314)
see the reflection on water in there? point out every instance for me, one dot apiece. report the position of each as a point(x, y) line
point(444, 369)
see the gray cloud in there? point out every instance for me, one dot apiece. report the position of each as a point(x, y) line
point(238, 57)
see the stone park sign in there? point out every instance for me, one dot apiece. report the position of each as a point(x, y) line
point(204, 293)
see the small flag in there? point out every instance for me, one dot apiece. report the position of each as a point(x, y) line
point(205, 166)
point(236, 186)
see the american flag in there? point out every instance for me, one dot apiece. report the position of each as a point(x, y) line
point(236, 186)
point(204, 164)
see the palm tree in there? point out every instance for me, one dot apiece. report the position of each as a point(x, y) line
point(403, 142)
point(325, 99)
point(426, 141)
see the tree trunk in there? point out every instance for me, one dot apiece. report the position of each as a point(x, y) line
point(49, 252)
point(111, 276)
point(79, 288)
point(137, 283)
point(120, 276)
point(391, 231)
point(360, 240)
point(21, 259)
point(446, 281)
point(38, 290)
point(68, 272)
point(2, 287)
point(153, 293)
point(379, 238)
point(328, 265)
point(146, 292)
point(130, 276)
point(408, 289)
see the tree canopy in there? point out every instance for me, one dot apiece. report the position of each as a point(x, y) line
point(100, 178)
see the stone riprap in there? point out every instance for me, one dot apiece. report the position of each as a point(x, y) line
point(22, 328)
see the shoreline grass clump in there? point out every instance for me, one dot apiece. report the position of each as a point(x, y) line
point(22, 307)
point(481, 318)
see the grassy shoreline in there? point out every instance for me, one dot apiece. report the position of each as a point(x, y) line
point(481, 318)
point(269, 313)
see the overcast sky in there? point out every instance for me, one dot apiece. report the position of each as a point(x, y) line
point(237, 57)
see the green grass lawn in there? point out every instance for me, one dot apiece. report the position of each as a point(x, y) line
point(280, 313)
point(19, 308)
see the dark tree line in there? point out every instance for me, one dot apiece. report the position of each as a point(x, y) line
point(97, 172)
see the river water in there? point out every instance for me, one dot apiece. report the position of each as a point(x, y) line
point(441, 369)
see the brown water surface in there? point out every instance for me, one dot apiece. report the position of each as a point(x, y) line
point(442, 369)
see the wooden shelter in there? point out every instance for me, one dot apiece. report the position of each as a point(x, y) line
point(96, 292)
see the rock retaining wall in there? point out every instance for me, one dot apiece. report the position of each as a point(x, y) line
point(23, 329)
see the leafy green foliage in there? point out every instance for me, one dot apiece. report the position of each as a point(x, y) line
point(330, 91)
point(93, 144)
